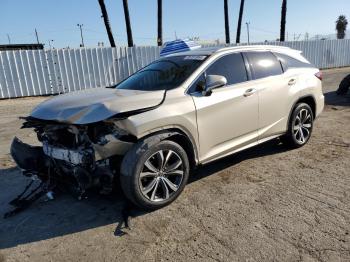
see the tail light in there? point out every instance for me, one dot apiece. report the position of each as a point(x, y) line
point(319, 75)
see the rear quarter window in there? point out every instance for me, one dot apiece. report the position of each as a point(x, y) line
point(290, 62)
point(263, 64)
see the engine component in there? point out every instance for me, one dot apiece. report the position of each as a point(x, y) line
point(75, 157)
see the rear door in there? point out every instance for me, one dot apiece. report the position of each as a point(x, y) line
point(273, 88)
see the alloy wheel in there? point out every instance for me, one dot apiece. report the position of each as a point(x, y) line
point(161, 175)
point(302, 126)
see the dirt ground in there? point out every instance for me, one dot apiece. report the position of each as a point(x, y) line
point(264, 204)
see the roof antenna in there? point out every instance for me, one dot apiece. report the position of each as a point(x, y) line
point(175, 35)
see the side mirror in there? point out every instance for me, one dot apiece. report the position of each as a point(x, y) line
point(212, 82)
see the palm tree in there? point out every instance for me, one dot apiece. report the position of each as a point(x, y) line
point(341, 25)
point(239, 26)
point(106, 21)
point(227, 26)
point(160, 29)
point(283, 21)
point(127, 23)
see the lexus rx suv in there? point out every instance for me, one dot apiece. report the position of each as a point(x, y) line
point(183, 110)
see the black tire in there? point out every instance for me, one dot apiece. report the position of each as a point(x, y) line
point(344, 86)
point(293, 137)
point(134, 163)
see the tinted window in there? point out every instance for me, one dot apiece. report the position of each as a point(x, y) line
point(230, 66)
point(264, 64)
point(164, 74)
point(290, 62)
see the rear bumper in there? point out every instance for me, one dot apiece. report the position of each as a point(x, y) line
point(319, 105)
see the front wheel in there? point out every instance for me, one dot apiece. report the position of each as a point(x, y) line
point(154, 176)
point(300, 126)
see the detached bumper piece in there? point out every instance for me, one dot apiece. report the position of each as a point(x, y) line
point(32, 161)
point(22, 202)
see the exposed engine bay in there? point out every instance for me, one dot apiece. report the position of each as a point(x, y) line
point(73, 157)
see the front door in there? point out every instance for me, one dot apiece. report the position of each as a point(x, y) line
point(227, 119)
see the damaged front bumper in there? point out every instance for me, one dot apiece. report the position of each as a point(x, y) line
point(35, 158)
point(73, 158)
point(72, 170)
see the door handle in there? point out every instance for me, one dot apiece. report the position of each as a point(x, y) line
point(292, 82)
point(249, 92)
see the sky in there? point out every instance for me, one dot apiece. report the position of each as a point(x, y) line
point(57, 20)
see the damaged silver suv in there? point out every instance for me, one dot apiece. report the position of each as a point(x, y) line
point(178, 112)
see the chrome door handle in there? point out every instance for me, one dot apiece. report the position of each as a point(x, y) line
point(292, 82)
point(249, 92)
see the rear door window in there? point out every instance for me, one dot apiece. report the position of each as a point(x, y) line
point(264, 64)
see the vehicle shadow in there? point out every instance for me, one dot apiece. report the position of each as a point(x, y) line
point(66, 215)
point(332, 99)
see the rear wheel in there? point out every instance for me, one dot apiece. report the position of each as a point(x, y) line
point(300, 126)
point(157, 176)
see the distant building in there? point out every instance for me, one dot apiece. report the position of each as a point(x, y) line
point(21, 47)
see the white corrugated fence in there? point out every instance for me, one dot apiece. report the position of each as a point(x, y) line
point(54, 71)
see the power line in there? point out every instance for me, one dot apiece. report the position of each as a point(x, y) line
point(263, 30)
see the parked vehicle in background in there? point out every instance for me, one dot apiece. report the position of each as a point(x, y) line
point(178, 112)
point(344, 86)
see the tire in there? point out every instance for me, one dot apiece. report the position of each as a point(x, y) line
point(299, 133)
point(145, 178)
point(344, 86)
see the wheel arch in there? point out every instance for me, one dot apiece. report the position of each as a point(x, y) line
point(179, 136)
point(307, 99)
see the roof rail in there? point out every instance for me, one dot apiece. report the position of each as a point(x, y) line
point(265, 47)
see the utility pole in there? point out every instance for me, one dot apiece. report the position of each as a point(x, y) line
point(306, 36)
point(37, 37)
point(81, 34)
point(9, 39)
point(50, 43)
point(248, 23)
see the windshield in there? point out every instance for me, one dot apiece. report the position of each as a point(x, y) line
point(164, 74)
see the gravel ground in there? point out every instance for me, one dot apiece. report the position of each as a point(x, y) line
point(263, 204)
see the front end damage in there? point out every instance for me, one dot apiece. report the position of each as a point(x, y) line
point(82, 139)
point(73, 157)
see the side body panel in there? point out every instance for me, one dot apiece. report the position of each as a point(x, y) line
point(312, 86)
point(276, 97)
point(227, 120)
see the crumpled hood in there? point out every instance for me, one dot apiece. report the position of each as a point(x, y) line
point(96, 104)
